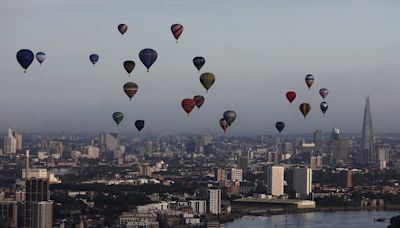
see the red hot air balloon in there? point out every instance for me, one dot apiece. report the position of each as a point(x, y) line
point(177, 30)
point(188, 105)
point(305, 109)
point(224, 125)
point(122, 28)
point(291, 95)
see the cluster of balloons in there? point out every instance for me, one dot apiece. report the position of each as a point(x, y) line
point(25, 58)
point(188, 104)
point(227, 119)
point(119, 116)
point(305, 108)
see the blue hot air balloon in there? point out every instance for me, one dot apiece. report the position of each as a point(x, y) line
point(94, 58)
point(25, 58)
point(148, 56)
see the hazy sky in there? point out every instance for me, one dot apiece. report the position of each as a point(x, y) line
point(257, 50)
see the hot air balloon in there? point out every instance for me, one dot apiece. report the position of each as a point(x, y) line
point(280, 126)
point(139, 124)
point(129, 65)
point(291, 95)
point(199, 62)
point(224, 125)
point(305, 109)
point(324, 107)
point(229, 117)
point(25, 58)
point(177, 30)
point(323, 92)
point(309, 80)
point(130, 89)
point(118, 117)
point(94, 58)
point(188, 105)
point(207, 80)
point(122, 28)
point(148, 56)
point(40, 57)
point(199, 100)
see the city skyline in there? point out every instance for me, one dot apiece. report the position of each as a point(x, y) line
point(280, 39)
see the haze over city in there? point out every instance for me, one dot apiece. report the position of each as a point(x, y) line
point(256, 50)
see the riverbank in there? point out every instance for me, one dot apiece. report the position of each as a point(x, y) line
point(280, 211)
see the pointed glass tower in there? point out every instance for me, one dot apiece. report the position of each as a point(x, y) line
point(367, 141)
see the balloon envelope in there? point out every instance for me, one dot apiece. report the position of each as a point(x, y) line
point(118, 117)
point(94, 58)
point(309, 80)
point(207, 80)
point(188, 105)
point(148, 56)
point(323, 92)
point(129, 65)
point(199, 100)
point(130, 89)
point(229, 116)
point(25, 58)
point(280, 126)
point(40, 57)
point(199, 62)
point(139, 124)
point(122, 28)
point(177, 30)
point(305, 109)
point(291, 95)
point(324, 107)
point(224, 125)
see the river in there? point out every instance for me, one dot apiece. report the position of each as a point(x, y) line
point(351, 219)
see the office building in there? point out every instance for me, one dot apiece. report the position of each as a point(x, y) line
point(339, 146)
point(316, 162)
point(242, 162)
point(346, 179)
point(236, 174)
point(214, 201)
point(199, 207)
point(318, 139)
point(8, 214)
point(275, 180)
point(148, 148)
point(42, 214)
point(36, 190)
point(302, 182)
point(383, 154)
point(220, 175)
point(92, 152)
point(110, 141)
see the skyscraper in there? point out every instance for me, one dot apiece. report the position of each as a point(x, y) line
point(302, 182)
point(275, 180)
point(36, 190)
point(42, 214)
point(339, 146)
point(367, 141)
point(214, 199)
point(318, 139)
point(10, 143)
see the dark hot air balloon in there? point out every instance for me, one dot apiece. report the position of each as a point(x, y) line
point(199, 62)
point(118, 117)
point(224, 125)
point(129, 65)
point(177, 30)
point(94, 58)
point(122, 28)
point(188, 105)
point(40, 57)
point(324, 107)
point(291, 95)
point(280, 126)
point(130, 89)
point(229, 117)
point(25, 58)
point(305, 109)
point(309, 80)
point(148, 56)
point(207, 80)
point(323, 92)
point(199, 100)
point(139, 124)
